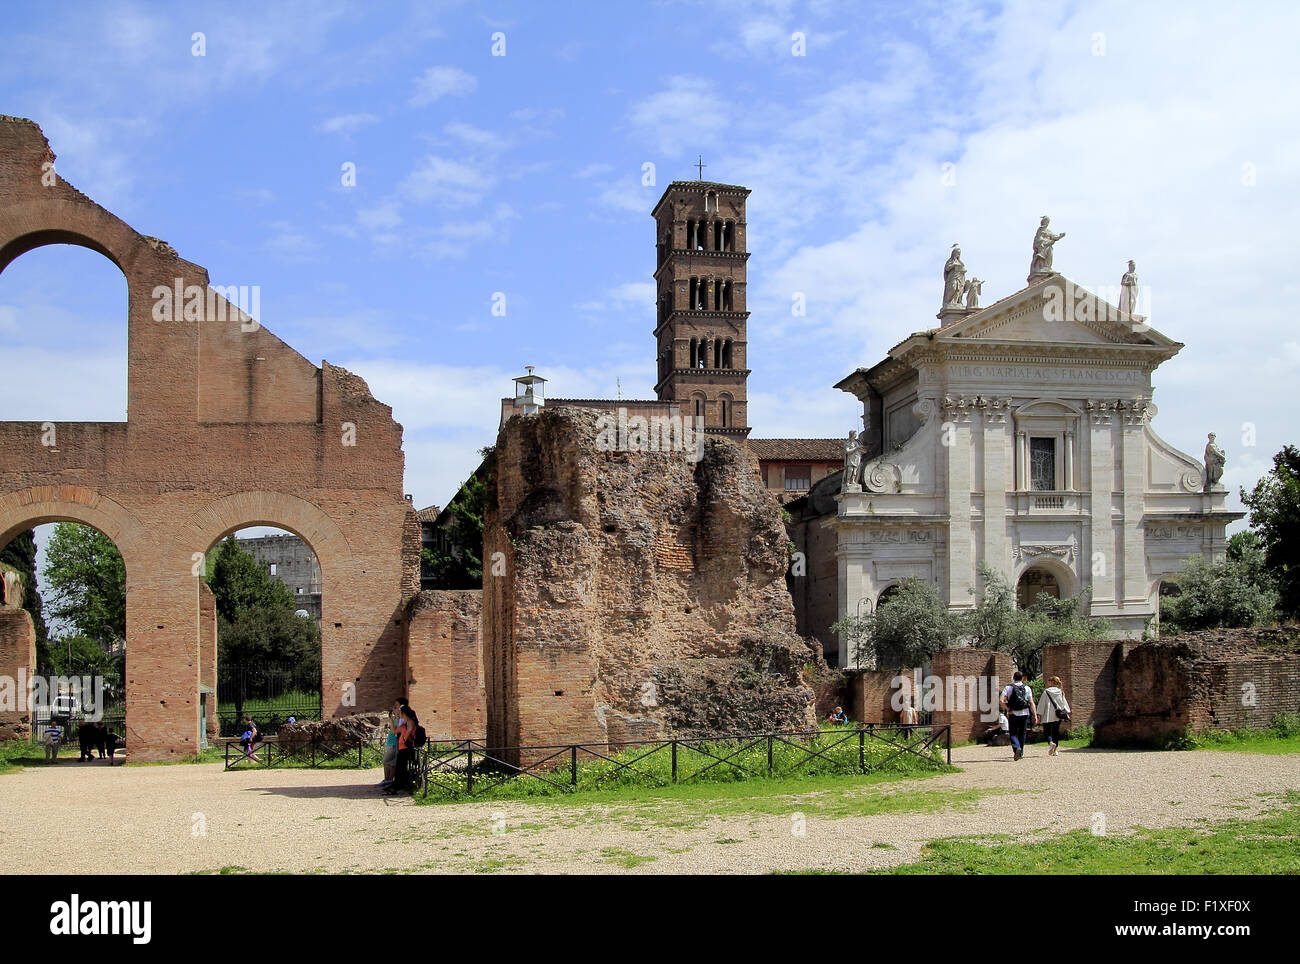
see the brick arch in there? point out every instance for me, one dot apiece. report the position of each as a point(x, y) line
point(281, 510)
point(85, 225)
point(28, 508)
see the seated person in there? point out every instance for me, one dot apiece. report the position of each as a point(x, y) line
point(838, 716)
point(999, 734)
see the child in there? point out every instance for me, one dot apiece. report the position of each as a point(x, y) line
point(839, 716)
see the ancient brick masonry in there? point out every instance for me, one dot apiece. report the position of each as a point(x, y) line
point(17, 652)
point(1216, 680)
point(444, 663)
point(639, 594)
point(227, 427)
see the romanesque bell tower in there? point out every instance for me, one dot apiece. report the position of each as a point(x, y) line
point(700, 320)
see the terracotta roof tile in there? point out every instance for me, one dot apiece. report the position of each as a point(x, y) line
point(809, 449)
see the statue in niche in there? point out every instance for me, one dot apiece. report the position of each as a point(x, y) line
point(954, 279)
point(972, 292)
point(1044, 239)
point(1214, 462)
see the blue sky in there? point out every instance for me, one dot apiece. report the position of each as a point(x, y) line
point(1160, 132)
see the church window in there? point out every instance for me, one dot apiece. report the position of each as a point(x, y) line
point(726, 411)
point(1042, 464)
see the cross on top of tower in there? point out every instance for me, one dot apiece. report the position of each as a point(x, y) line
point(701, 165)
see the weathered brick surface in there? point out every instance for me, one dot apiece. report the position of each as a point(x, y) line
point(1226, 679)
point(599, 630)
point(226, 427)
point(1088, 674)
point(969, 676)
point(873, 694)
point(444, 662)
point(17, 663)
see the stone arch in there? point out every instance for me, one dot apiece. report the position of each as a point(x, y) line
point(1066, 581)
point(281, 510)
point(28, 508)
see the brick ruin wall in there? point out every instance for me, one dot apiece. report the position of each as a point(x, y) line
point(444, 663)
point(17, 663)
point(227, 427)
point(1213, 680)
point(968, 677)
point(638, 594)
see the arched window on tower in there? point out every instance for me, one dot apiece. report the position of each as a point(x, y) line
point(717, 236)
point(726, 354)
point(727, 302)
point(724, 409)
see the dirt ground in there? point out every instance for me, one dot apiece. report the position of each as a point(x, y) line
point(89, 818)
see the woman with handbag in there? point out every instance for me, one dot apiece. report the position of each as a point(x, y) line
point(1053, 710)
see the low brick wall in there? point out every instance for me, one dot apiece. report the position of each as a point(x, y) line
point(873, 694)
point(970, 677)
point(444, 663)
point(1088, 674)
point(1223, 680)
point(17, 663)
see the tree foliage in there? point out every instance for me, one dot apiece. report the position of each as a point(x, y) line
point(1274, 506)
point(1236, 592)
point(913, 623)
point(87, 581)
point(257, 621)
point(904, 631)
point(460, 565)
point(996, 623)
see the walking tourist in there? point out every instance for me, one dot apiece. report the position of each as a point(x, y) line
point(1018, 703)
point(1054, 709)
point(101, 737)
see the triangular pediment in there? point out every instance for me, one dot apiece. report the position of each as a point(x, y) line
point(1055, 311)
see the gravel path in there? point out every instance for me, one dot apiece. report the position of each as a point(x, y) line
point(73, 818)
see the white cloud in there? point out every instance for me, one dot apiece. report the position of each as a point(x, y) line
point(446, 181)
point(346, 123)
point(688, 112)
point(438, 82)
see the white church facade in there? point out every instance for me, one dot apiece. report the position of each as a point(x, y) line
point(1020, 435)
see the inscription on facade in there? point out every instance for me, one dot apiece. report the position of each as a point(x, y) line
point(1004, 373)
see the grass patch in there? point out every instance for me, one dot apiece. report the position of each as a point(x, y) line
point(16, 754)
point(625, 858)
point(1237, 846)
point(642, 770)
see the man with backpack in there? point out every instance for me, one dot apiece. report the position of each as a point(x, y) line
point(1018, 703)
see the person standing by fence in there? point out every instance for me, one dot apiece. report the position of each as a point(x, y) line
point(1054, 710)
point(405, 751)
